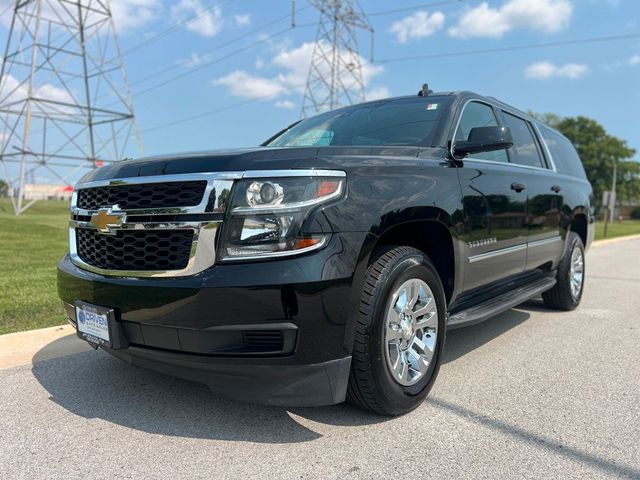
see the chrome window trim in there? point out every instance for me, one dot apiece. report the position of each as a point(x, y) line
point(492, 162)
point(547, 150)
point(203, 248)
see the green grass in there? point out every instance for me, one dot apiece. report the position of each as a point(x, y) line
point(628, 227)
point(30, 247)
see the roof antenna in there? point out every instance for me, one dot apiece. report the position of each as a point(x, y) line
point(425, 90)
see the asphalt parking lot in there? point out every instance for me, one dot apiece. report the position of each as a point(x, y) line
point(529, 394)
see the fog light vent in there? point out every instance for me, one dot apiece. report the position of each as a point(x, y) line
point(264, 340)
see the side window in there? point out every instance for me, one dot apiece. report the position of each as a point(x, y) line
point(478, 114)
point(525, 148)
point(564, 156)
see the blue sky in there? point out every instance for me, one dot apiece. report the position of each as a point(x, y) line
point(599, 80)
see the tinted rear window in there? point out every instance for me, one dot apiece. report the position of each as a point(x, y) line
point(525, 148)
point(563, 154)
point(406, 122)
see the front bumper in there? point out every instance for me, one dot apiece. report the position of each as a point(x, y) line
point(186, 326)
point(306, 385)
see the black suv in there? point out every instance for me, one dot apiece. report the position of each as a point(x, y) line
point(328, 263)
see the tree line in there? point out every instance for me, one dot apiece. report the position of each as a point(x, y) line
point(598, 151)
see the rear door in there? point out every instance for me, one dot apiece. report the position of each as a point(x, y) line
point(544, 192)
point(494, 206)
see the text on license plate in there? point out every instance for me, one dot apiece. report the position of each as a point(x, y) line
point(93, 322)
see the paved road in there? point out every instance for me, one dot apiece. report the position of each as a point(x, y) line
point(530, 393)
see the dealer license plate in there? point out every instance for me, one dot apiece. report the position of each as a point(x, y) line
point(94, 323)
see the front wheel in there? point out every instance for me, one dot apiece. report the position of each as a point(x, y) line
point(567, 292)
point(399, 333)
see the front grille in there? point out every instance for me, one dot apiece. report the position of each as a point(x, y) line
point(142, 196)
point(135, 250)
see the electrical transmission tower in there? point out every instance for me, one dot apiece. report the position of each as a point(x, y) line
point(65, 104)
point(335, 74)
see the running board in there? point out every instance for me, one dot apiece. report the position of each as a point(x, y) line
point(483, 311)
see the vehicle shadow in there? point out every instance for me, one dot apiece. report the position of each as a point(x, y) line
point(461, 341)
point(96, 385)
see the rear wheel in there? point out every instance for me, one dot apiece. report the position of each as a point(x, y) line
point(399, 333)
point(567, 293)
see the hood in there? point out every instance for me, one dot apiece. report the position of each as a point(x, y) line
point(258, 158)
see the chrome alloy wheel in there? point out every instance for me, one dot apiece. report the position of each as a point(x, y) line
point(411, 331)
point(576, 272)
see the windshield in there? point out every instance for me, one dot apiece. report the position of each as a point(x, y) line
point(403, 122)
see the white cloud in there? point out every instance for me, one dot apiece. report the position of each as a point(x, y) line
point(294, 69)
point(128, 14)
point(634, 60)
point(242, 20)
point(296, 63)
point(12, 90)
point(418, 25)
point(546, 16)
point(376, 93)
point(206, 21)
point(243, 84)
point(545, 70)
point(194, 60)
point(286, 104)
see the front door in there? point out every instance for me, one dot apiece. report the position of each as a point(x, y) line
point(495, 207)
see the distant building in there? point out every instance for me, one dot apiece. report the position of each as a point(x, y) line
point(39, 191)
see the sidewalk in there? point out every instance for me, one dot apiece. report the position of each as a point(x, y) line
point(609, 241)
point(19, 348)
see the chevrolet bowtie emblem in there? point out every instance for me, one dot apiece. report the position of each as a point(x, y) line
point(108, 218)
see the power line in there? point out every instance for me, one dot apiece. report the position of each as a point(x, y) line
point(335, 75)
point(415, 7)
point(397, 59)
point(266, 25)
point(211, 50)
point(211, 62)
point(217, 110)
point(208, 63)
point(174, 28)
point(9, 7)
point(531, 46)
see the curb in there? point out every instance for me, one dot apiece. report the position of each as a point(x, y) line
point(608, 241)
point(20, 348)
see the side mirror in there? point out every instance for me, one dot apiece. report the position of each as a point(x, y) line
point(483, 139)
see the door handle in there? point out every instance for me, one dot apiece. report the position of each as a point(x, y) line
point(518, 187)
point(556, 188)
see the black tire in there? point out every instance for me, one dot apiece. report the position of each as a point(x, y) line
point(371, 385)
point(560, 296)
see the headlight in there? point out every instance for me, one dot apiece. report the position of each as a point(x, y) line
point(266, 216)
